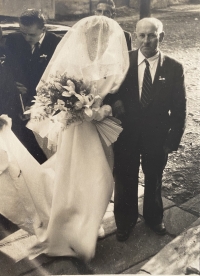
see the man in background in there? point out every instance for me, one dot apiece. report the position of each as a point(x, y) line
point(7, 84)
point(28, 53)
point(107, 8)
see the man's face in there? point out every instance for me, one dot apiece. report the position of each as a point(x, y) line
point(148, 38)
point(104, 9)
point(31, 34)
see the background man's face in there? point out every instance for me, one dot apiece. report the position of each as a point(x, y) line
point(104, 9)
point(148, 38)
point(31, 34)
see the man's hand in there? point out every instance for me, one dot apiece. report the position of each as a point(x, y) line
point(25, 117)
point(118, 109)
point(21, 88)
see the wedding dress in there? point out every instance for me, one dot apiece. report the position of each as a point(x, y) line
point(63, 201)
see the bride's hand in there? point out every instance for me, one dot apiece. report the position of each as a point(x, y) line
point(102, 113)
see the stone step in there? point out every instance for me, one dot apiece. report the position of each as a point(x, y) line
point(192, 205)
point(111, 256)
point(177, 256)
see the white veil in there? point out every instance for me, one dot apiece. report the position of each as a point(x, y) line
point(93, 50)
point(69, 194)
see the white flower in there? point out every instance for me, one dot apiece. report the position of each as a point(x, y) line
point(58, 86)
point(78, 105)
point(70, 87)
point(60, 105)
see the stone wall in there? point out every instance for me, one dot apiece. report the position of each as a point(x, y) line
point(15, 7)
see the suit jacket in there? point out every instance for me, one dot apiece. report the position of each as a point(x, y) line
point(27, 68)
point(162, 122)
point(128, 40)
point(7, 87)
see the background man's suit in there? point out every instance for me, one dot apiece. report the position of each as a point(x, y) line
point(128, 40)
point(7, 87)
point(147, 131)
point(27, 68)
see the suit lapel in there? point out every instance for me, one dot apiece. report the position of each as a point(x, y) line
point(41, 55)
point(160, 74)
point(133, 74)
point(44, 44)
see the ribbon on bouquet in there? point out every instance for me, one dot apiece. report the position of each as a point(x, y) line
point(109, 129)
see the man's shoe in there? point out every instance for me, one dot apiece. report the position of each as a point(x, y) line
point(158, 228)
point(122, 235)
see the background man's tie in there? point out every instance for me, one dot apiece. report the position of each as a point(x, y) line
point(147, 94)
point(36, 49)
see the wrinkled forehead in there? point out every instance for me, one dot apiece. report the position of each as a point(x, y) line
point(146, 27)
point(104, 7)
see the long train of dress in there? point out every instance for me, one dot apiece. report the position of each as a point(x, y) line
point(63, 200)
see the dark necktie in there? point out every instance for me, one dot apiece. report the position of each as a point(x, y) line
point(36, 49)
point(146, 95)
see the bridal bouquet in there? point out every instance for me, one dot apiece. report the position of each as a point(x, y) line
point(68, 101)
point(68, 96)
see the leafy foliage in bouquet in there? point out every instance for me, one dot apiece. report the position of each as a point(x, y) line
point(73, 98)
point(68, 100)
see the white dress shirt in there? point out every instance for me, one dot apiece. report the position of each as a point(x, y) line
point(40, 42)
point(153, 63)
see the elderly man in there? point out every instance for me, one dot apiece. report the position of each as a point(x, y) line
point(107, 8)
point(151, 103)
point(29, 52)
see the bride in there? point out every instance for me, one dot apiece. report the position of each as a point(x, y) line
point(63, 201)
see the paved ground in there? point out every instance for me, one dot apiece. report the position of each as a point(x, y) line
point(143, 253)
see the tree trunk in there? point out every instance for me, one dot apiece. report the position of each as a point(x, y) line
point(145, 8)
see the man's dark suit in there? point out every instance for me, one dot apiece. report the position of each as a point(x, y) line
point(27, 69)
point(128, 40)
point(7, 87)
point(146, 132)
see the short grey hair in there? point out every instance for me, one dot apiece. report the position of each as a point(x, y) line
point(158, 24)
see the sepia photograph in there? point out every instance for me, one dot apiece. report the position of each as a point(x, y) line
point(99, 137)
